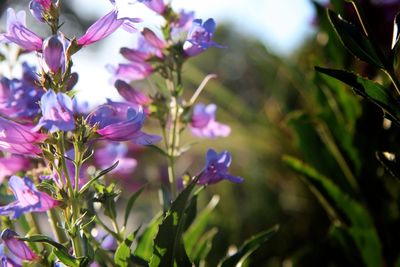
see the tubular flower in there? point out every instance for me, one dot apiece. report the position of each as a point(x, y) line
point(132, 95)
point(131, 71)
point(203, 122)
point(148, 46)
point(53, 59)
point(19, 34)
point(199, 37)
point(121, 122)
point(19, 139)
point(16, 246)
point(39, 8)
point(216, 168)
point(56, 112)
point(106, 26)
point(28, 198)
point(156, 5)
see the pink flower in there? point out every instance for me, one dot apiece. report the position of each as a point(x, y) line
point(12, 164)
point(28, 198)
point(203, 122)
point(18, 33)
point(106, 26)
point(19, 139)
point(16, 246)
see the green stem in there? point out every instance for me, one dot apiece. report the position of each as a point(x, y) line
point(76, 236)
point(74, 202)
point(55, 220)
point(173, 145)
point(61, 148)
point(78, 162)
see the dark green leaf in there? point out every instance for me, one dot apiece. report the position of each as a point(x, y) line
point(248, 247)
point(354, 40)
point(59, 250)
point(368, 89)
point(131, 201)
point(351, 214)
point(168, 247)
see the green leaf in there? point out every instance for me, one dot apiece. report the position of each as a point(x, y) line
point(168, 247)
point(368, 89)
point(351, 214)
point(59, 250)
point(203, 247)
point(122, 255)
point(354, 40)
point(144, 248)
point(98, 176)
point(130, 203)
point(196, 230)
point(248, 247)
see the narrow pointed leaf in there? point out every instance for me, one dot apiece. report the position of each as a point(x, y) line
point(131, 201)
point(352, 214)
point(355, 40)
point(168, 247)
point(248, 247)
point(368, 89)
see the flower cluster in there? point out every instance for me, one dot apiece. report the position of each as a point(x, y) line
point(65, 153)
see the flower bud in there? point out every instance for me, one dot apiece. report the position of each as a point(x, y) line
point(53, 54)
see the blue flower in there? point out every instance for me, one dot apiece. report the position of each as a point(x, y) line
point(56, 112)
point(199, 37)
point(216, 168)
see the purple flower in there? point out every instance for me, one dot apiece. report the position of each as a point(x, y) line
point(106, 26)
point(131, 71)
point(144, 50)
point(28, 198)
point(199, 37)
point(156, 5)
point(182, 25)
point(132, 95)
point(11, 164)
point(19, 139)
point(153, 39)
point(16, 246)
point(19, 97)
point(8, 259)
point(216, 168)
point(56, 112)
point(121, 122)
point(19, 34)
point(39, 8)
point(110, 153)
point(54, 54)
point(107, 241)
point(203, 122)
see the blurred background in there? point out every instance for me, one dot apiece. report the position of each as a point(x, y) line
point(264, 75)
